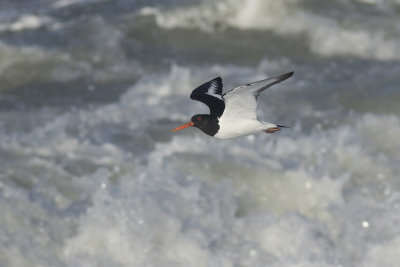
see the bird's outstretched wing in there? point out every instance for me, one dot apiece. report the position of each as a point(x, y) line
point(241, 102)
point(210, 93)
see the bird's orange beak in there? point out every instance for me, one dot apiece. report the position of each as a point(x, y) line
point(189, 124)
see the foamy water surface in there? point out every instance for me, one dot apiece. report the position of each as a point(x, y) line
point(91, 176)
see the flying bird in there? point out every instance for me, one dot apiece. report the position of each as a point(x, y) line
point(233, 113)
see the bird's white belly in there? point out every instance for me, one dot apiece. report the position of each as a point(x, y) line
point(232, 129)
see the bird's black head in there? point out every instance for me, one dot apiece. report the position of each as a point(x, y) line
point(200, 120)
point(207, 123)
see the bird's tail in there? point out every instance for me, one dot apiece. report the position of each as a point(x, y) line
point(282, 126)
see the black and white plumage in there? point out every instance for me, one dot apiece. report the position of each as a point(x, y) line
point(210, 93)
point(233, 113)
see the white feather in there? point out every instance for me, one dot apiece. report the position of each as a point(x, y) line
point(212, 90)
point(239, 117)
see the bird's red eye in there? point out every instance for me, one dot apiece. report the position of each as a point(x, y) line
point(199, 118)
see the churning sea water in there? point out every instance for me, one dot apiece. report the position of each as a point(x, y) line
point(91, 176)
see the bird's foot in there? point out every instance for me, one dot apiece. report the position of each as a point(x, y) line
point(272, 130)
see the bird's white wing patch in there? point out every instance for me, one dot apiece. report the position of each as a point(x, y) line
point(215, 89)
point(241, 102)
point(239, 105)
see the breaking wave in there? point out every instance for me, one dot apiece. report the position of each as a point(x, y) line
point(349, 33)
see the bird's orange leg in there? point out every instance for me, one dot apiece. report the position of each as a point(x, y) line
point(272, 130)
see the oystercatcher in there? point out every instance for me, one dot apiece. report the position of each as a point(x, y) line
point(233, 113)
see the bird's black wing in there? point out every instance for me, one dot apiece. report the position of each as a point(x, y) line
point(210, 93)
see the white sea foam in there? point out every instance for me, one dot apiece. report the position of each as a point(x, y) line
point(34, 64)
point(387, 254)
point(26, 22)
point(66, 3)
point(270, 200)
point(327, 36)
point(239, 208)
point(104, 182)
point(106, 187)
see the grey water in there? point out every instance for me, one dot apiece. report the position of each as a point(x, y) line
point(91, 176)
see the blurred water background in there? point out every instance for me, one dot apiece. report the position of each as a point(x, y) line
point(91, 176)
